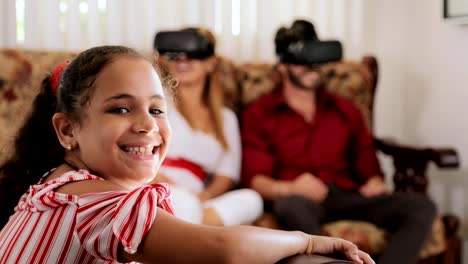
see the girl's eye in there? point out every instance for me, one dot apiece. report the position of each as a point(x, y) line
point(156, 111)
point(120, 110)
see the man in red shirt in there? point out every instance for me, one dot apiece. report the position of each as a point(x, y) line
point(311, 156)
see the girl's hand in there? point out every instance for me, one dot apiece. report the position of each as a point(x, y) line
point(327, 245)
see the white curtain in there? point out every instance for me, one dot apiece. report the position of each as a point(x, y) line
point(244, 28)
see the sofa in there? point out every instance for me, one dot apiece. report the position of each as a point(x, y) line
point(21, 72)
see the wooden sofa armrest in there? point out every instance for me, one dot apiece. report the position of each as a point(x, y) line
point(312, 259)
point(410, 171)
point(411, 163)
point(451, 224)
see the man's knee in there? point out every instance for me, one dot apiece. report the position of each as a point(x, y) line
point(421, 208)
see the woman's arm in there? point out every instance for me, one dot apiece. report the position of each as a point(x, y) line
point(227, 171)
point(218, 186)
point(174, 241)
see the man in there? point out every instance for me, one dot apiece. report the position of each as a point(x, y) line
point(311, 156)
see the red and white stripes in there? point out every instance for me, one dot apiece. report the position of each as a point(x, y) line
point(50, 227)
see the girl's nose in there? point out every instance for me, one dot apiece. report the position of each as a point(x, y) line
point(146, 123)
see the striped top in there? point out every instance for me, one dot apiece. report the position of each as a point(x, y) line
point(52, 227)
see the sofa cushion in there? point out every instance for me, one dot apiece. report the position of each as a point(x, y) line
point(371, 239)
point(21, 73)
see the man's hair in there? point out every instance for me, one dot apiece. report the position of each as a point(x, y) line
point(300, 44)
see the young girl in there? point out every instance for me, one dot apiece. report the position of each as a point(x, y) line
point(206, 142)
point(99, 125)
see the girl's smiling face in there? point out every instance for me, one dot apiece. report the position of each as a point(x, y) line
point(124, 134)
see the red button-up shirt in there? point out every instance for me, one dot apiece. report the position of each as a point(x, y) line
point(336, 146)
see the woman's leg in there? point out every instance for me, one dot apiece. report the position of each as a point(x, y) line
point(236, 207)
point(186, 205)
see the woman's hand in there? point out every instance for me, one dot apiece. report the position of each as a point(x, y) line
point(219, 185)
point(327, 245)
point(204, 195)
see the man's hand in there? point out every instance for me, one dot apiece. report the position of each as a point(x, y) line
point(373, 187)
point(309, 186)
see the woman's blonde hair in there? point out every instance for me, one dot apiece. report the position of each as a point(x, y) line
point(212, 96)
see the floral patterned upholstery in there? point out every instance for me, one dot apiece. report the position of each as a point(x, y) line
point(372, 239)
point(353, 81)
point(21, 72)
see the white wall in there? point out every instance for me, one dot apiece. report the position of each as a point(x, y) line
point(244, 28)
point(423, 90)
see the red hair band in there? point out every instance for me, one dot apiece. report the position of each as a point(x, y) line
point(55, 78)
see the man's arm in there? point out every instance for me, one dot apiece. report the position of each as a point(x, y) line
point(258, 164)
point(256, 156)
point(257, 160)
point(269, 188)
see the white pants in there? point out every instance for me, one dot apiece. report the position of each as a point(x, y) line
point(236, 207)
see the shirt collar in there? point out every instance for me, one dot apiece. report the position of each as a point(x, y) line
point(323, 97)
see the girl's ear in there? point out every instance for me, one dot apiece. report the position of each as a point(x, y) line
point(64, 129)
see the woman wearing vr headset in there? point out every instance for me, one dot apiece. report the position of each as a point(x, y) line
point(206, 136)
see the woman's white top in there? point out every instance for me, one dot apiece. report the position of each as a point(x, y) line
point(204, 150)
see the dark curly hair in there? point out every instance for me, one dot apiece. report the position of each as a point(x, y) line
point(299, 30)
point(36, 147)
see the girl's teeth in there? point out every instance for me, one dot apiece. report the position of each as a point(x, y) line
point(140, 150)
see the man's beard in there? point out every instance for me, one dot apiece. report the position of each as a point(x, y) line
point(295, 80)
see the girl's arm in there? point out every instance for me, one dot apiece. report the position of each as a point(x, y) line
point(174, 241)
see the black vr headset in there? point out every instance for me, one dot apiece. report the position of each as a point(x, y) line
point(311, 52)
point(189, 43)
point(299, 44)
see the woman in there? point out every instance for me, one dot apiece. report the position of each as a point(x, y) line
point(203, 162)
